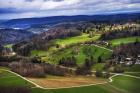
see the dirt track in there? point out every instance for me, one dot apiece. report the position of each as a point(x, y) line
point(59, 82)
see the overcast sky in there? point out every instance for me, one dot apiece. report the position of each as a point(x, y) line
point(11, 9)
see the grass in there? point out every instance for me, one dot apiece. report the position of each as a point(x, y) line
point(88, 89)
point(80, 57)
point(134, 74)
point(9, 79)
point(38, 53)
point(127, 40)
point(63, 43)
point(8, 46)
point(128, 84)
point(120, 84)
point(98, 66)
point(74, 40)
point(134, 68)
point(53, 55)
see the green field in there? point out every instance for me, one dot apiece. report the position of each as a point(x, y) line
point(116, 42)
point(77, 39)
point(128, 84)
point(80, 57)
point(135, 68)
point(98, 66)
point(53, 55)
point(8, 46)
point(133, 74)
point(9, 79)
point(120, 84)
point(38, 53)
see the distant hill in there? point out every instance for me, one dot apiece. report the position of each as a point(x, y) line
point(8, 36)
point(27, 22)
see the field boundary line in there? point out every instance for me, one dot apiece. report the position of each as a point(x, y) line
point(99, 47)
point(36, 85)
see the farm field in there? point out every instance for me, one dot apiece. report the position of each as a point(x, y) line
point(68, 81)
point(80, 56)
point(8, 46)
point(120, 84)
point(77, 39)
point(38, 53)
point(135, 68)
point(133, 73)
point(70, 46)
point(128, 84)
point(127, 40)
point(9, 79)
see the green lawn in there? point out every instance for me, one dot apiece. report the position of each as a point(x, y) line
point(8, 46)
point(128, 84)
point(77, 39)
point(98, 66)
point(134, 74)
point(64, 42)
point(135, 68)
point(9, 79)
point(38, 53)
point(127, 40)
point(93, 50)
point(88, 89)
point(120, 84)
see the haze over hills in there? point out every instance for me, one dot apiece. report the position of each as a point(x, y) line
point(28, 22)
point(11, 36)
point(11, 32)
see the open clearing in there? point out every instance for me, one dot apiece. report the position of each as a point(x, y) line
point(60, 82)
point(8, 46)
point(76, 39)
point(81, 56)
point(127, 40)
point(129, 84)
point(120, 84)
point(135, 68)
point(9, 79)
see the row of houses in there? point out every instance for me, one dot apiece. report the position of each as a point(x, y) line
point(130, 60)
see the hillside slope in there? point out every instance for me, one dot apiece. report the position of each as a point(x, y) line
point(8, 36)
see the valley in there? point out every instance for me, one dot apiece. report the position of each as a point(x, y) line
point(72, 57)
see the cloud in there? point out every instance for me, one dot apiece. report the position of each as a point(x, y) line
point(37, 8)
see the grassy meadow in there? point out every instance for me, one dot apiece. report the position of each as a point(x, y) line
point(116, 42)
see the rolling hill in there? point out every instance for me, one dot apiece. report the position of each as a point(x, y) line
point(8, 36)
point(28, 22)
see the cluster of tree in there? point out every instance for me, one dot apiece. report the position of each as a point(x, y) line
point(99, 73)
point(88, 51)
point(45, 39)
point(112, 66)
point(5, 60)
point(1, 49)
point(33, 67)
point(23, 48)
point(127, 50)
point(57, 70)
point(9, 59)
point(86, 68)
point(10, 35)
point(68, 62)
point(119, 34)
point(17, 89)
point(27, 69)
point(118, 69)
